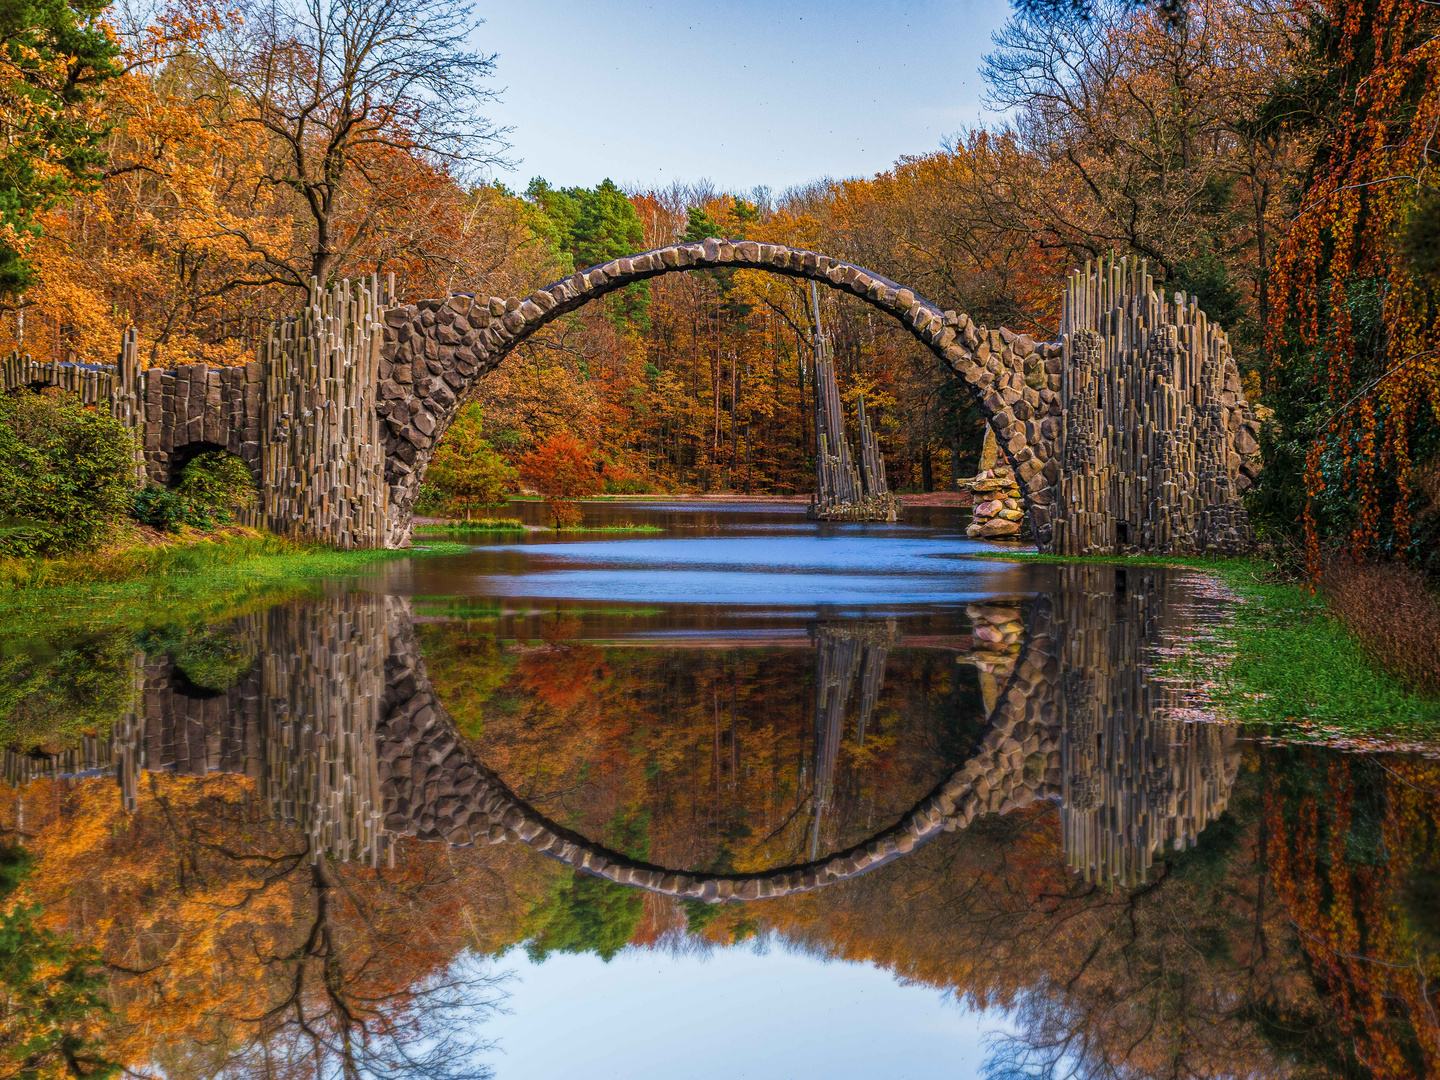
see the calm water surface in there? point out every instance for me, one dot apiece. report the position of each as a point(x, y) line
point(744, 797)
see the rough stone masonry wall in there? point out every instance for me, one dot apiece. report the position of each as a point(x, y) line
point(995, 502)
point(170, 412)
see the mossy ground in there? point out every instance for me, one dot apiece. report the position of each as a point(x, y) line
point(200, 581)
point(1281, 659)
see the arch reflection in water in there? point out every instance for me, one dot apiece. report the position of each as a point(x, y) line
point(1075, 715)
point(341, 728)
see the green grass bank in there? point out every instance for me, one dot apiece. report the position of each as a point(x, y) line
point(189, 581)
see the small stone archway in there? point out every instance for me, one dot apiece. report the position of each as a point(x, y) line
point(435, 351)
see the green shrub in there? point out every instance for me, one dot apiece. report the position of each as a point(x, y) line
point(466, 470)
point(630, 485)
point(211, 487)
point(217, 481)
point(66, 474)
point(164, 508)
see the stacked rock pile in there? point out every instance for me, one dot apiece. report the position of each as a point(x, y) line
point(997, 512)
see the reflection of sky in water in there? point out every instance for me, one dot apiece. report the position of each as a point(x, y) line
point(734, 1013)
point(775, 571)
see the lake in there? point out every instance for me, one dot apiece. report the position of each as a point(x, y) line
point(744, 795)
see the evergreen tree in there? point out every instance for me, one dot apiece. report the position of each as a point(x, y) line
point(593, 226)
point(53, 57)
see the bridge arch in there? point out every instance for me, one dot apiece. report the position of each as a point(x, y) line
point(435, 352)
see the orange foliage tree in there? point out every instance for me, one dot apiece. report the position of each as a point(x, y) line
point(1358, 331)
point(562, 469)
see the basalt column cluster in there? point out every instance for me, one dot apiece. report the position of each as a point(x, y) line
point(322, 450)
point(845, 489)
point(1159, 441)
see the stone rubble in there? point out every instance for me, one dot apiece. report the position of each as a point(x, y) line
point(997, 510)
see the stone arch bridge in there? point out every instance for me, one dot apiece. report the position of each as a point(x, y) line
point(1130, 431)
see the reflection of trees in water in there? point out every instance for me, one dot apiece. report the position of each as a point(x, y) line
point(713, 747)
point(243, 932)
point(1289, 932)
point(231, 950)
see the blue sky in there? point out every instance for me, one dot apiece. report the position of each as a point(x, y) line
point(736, 1013)
point(740, 92)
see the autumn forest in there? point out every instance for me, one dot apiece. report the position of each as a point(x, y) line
point(202, 165)
point(540, 679)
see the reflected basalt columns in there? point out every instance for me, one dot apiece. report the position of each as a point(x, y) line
point(341, 728)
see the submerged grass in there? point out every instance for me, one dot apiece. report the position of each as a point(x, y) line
point(618, 527)
point(481, 525)
point(493, 525)
point(1282, 658)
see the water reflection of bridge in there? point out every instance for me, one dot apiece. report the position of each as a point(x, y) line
point(338, 725)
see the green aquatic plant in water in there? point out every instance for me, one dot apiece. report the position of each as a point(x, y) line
point(617, 527)
point(480, 525)
point(180, 584)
